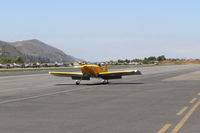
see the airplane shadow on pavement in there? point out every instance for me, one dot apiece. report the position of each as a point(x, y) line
point(128, 83)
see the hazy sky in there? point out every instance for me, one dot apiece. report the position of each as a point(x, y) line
point(99, 30)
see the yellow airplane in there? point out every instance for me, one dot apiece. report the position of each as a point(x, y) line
point(95, 71)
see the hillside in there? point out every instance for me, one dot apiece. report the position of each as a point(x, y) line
point(34, 51)
point(8, 50)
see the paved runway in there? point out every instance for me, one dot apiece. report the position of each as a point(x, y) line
point(165, 99)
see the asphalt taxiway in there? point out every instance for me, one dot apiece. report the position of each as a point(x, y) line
point(165, 99)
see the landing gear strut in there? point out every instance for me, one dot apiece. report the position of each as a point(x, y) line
point(78, 82)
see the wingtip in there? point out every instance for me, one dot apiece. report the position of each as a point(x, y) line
point(50, 72)
point(138, 72)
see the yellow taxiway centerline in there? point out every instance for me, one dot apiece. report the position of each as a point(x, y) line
point(193, 100)
point(185, 118)
point(182, 111)
point(164, 128)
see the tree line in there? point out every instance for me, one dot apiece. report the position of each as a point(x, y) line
point(4, 60)
point(20, 60)
point(146, 60)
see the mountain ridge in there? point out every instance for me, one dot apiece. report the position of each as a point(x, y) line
point(34, 50)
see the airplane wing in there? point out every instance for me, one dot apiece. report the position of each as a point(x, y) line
point(118, 74)
point(67, 74)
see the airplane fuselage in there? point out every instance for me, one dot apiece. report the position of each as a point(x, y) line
point(92, 69)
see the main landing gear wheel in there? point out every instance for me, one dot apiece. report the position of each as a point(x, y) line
point(77, 82)
point(104, 82)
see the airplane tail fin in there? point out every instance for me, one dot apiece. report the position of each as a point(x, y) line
point(78, 65)
point(105, 69)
